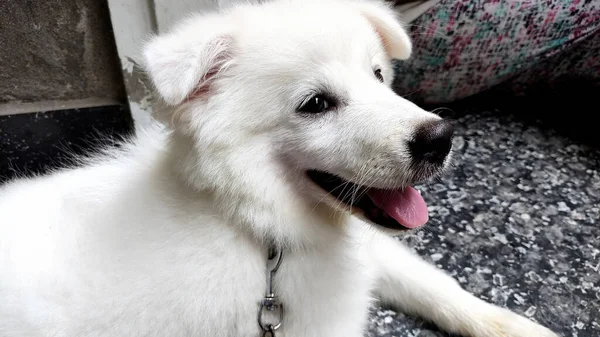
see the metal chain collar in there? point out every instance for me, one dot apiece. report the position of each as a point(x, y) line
point(270, 302)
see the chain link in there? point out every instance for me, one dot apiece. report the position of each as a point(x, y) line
point(269, 332)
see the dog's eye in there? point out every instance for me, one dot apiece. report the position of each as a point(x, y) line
point(378, 74)
point(315, 104)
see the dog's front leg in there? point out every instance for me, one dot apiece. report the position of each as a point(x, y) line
point(416, 287)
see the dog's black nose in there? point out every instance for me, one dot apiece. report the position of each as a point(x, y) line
point(432, 141)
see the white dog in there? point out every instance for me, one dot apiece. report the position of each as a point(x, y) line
point(282, 132)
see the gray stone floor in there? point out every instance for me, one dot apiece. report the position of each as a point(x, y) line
point(517, 222)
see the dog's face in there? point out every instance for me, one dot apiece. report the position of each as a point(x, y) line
point(297, 93)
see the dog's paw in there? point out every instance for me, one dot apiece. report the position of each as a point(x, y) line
point(505, 323)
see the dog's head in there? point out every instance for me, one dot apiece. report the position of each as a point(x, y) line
point(287, 112)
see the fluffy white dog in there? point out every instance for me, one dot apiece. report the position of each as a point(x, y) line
point(285, 159)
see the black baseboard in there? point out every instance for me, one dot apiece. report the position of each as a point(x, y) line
point(34, 143)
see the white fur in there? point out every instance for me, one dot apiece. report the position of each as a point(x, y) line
point(168, 236)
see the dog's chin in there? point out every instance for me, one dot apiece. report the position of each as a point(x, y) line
point(365, 203)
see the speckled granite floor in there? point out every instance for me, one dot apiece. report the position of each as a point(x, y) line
point(517, 221)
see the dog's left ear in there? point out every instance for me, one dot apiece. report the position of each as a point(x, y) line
point(387, 24)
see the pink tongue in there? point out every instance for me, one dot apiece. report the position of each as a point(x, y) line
point(406, 206)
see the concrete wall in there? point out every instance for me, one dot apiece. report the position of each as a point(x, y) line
point(57, 54)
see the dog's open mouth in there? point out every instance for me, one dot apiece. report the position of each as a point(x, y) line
point(397, 209)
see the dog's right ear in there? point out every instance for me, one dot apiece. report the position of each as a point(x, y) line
point(183, 63)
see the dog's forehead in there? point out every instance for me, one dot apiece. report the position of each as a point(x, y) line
point(310, 29)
